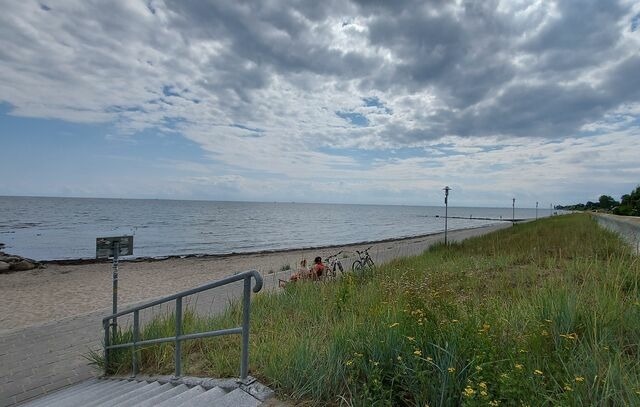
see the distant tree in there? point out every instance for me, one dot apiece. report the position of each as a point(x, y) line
point(607, 202)
point(591, 205)
point(629, 203)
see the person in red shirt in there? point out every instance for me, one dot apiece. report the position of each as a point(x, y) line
point(318, 268)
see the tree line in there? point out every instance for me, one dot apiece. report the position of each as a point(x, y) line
point(629, 204)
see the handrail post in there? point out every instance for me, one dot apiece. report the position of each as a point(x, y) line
point(246, 303)
point(106, 325)
point(136, 338)
point(178, 350)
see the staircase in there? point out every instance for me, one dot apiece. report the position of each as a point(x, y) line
point(159, 393)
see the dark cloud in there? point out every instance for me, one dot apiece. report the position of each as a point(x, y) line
point(478, 68)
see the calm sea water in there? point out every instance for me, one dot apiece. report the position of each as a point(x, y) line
point(66, 228)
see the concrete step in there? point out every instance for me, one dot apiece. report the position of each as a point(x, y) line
point(140, 393)
point(61, 393)
point(132, 401)
point(237, 397)
point(207, 398)
point(82, 397)
point(117, 399)
point(153, 401)
point(133, 388)
point(183, 398)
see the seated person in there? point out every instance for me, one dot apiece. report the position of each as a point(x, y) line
point(301, 273)
point(317, 269)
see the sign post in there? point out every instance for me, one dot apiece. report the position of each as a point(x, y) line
point(446, 210)
point(114, 247)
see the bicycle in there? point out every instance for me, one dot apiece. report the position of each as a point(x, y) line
point(364, 263)
point(334, 264)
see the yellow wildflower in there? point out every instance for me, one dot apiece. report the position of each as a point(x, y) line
point(567, 388)
point(454, 320)
point(483, 385)
point(417, 352)
point(395, 324)
point(579, 379)
point(494, 403)
point(538, 372)
point(469, 392)
point(429, 359)
point(411, 338)
point(484, 393)
point(478, 368)
point(570, 336)
point(357, 354)
point(451, 369)
point(519, 366)
point(399, 358)
point(349, 362)
point(545, 333)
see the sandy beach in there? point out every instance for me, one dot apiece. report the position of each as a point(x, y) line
point(60, 290)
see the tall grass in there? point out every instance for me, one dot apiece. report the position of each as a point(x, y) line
point(544, 313)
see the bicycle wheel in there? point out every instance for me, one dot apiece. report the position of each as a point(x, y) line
point(357, 267)
point(369, 262)
point(331, 272)
point(340, 267)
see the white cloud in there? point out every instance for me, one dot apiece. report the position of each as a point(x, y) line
point(504, 97)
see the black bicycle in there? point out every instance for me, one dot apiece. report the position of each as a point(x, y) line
point(334, 265)
point(364, 263)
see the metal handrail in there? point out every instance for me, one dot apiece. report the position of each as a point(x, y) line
point(179, 337)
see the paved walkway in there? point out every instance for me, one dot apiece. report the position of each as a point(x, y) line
point(39, 359)
point(628, 227)
point(42, 358)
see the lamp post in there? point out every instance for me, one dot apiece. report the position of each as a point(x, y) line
point(513, 210)
point(446, 211)
point(536, 210)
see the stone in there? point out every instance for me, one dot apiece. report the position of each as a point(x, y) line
point(4, 266)
point(10, 259)
point(23, 265)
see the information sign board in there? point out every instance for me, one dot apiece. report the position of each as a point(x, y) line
point(106, 246)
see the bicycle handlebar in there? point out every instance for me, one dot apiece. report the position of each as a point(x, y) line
point(364, 251)
point(334, 255)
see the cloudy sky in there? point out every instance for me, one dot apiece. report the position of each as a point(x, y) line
point(321, 101)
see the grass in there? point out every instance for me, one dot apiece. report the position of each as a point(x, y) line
point(544, 313)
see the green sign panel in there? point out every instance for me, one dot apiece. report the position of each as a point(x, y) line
point(107, 246)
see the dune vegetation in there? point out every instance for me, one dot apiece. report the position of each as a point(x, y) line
point(543, 313)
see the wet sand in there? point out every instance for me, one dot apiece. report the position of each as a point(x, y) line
point(64, 290)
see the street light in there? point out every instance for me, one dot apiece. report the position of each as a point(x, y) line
point(513, 210)
point(446, 211)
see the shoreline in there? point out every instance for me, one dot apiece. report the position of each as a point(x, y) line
point(59, 291)
point(151, 259)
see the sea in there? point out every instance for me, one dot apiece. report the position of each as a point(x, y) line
point(67, 228)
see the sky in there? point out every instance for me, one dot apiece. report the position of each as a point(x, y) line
point(381, 102)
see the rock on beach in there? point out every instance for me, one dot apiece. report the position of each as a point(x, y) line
point(10, 263)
